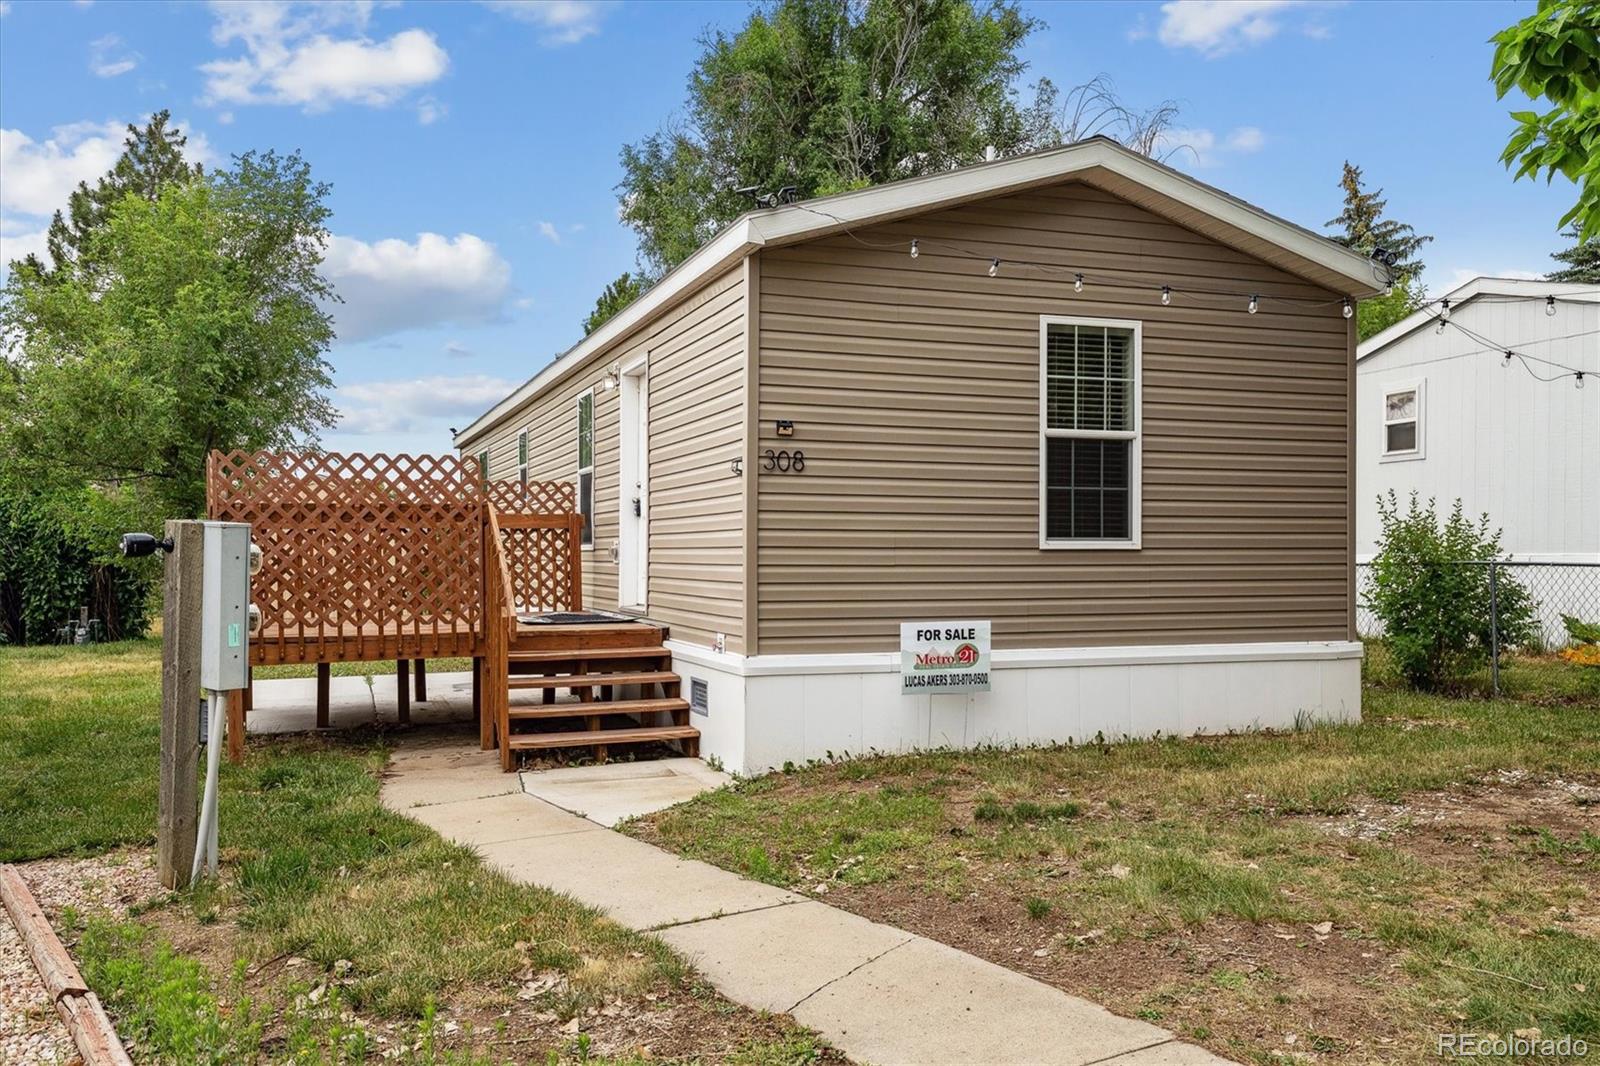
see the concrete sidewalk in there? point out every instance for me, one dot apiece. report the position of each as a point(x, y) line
point(877, 993)
point(289, 704)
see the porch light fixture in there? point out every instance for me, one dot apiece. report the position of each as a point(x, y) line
point(613, 377)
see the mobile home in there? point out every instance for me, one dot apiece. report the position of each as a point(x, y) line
point(1041, 450)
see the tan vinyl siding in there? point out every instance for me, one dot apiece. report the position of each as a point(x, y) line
point(696, 355)
point(914, 389)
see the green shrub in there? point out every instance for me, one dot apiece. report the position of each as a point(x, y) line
point(1433, 602)
point(58, 553)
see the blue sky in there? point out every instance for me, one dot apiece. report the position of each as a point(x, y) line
point(472, 147)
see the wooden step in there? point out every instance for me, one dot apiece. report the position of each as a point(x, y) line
point(586, 637)
point(526, 741)
point(587, 655)
point(593, 680)
point(578, 709)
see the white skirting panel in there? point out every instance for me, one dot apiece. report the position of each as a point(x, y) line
point(764, 711)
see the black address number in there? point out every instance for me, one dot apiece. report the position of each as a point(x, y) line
point(784, 461)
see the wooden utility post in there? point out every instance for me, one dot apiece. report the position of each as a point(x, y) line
point(178, 812)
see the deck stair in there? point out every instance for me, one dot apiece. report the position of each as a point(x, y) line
point(593, 684)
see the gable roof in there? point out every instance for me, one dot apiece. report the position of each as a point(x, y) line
point(1519, 288)
point(1097, 161)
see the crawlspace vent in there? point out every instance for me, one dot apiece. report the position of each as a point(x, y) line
point(699, 696)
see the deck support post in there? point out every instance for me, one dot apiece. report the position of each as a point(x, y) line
point(324, 681)
point(421, 678)
point(485, 721)
point(178, 808)
point(402, 677)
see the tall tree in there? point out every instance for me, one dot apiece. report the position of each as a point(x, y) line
point(1554, 55)
point(1582, 259)
point(151, 158)
point(1363, 228)
point(825, 96)
point(200, 326)
point(619, 294)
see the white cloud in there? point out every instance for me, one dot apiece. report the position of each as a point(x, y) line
point(1202, 147)
point(549, 232)
point(17, 241)
point(456, 350)
point(416, 404)
point(1217, 27)
point(293, 58)
point(109, 57)
point(40, 174)
point(430, 110)
point(561, 21)
point(394, 285)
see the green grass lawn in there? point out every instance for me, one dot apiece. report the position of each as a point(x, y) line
point(396, 927)
point(1453, 845)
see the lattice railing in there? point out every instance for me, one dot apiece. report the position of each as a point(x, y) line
point(543, 554)
point(381, 556)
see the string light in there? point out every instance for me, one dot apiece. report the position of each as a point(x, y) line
point(913, 249)
point(1444, 309)
point(1077, 283)
point(1506, 362)
point(1579, 376)
point(1166, 295)
point(1255, 302)
point(1348, 310)
point(1550, 309)
point(994, 267)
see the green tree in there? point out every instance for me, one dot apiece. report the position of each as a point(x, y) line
point(1378, 314)
point(1582, 259)
point(201, 326)
point(1554, 55)
point(619, 294)
point(1363, 228)
point(151, 158)
point(825, 96)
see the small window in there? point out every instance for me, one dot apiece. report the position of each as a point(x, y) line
point(1089, 434)
point(586, 465)
point(1402, 422)
point(483, 465)
point(522, 458)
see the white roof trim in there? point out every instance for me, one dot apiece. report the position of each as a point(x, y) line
point(815, 218)
point(1525, 287)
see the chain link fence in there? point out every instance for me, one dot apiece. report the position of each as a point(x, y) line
point(1556, 589)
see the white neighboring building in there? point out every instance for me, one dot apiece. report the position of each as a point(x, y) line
point(1440, 413)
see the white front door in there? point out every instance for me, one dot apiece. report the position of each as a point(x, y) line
point(633, 555)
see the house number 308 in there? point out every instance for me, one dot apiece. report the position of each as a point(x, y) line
point(784, 461)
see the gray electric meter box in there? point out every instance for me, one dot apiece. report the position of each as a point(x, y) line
point(225, 606)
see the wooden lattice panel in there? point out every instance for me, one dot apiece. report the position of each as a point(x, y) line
point(364, 556)
point(536, 497)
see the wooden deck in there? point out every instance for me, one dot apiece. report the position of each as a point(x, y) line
point(373, 558)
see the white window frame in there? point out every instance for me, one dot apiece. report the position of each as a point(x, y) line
point(587, 542)
point(522, 458)
point(1384, 422)
point(1136, 435)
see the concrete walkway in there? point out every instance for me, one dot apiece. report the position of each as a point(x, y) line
point(289, 704)
point(877, 993)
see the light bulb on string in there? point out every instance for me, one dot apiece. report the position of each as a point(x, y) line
point(1166, 295)
point(994, 267)
point(1348, 310)
point(913, 249)
point(1440, 327)
point(1444, 310)
point(1550, 305)
point(1579, 376)
point(1255, 304)
point(1506, 362)
point(1077, 283)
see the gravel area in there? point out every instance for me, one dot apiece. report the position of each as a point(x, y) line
point(30, 1031)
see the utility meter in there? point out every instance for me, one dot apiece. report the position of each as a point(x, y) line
point(225, 612)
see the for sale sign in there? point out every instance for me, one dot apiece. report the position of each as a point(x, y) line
point(944, 657)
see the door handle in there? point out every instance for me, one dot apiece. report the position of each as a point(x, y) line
point(638, 511)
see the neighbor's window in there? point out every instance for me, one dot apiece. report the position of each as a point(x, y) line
point(1402, 422)
point(1089, 433)
point(483, 464)
point(586, 465)
point(522, 458)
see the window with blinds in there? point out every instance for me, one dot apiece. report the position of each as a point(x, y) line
point(586, 465)
point(1089, 468)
